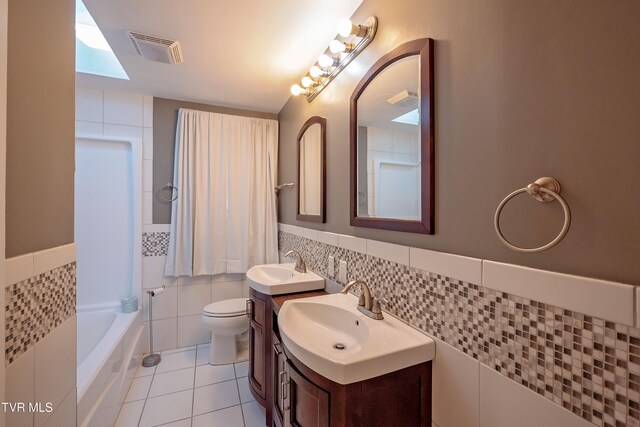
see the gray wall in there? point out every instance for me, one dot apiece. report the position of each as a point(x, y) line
point(40, 125)
point(165, 117)
point(523, 90)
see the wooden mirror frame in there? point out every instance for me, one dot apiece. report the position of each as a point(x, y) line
point(423, 48)
point(323, 168)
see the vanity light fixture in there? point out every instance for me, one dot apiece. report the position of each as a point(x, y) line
point(297, 90)
point(350, 41)
point(316, 72)
point(307, 81)
point(336, 46)
point(325, 61)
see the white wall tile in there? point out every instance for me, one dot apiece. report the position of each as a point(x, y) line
point(505, 403)
point(328, 238)
point(226, 290)
point(153, 273)
point(123, 131)
point(388, 251)
point(20, 378)
point(89, 104)
point(310, 233)
point(147, 177)
point(456, 387)
point(55, 366)
point(147, 141)
point(191, 331)
point(165, 305)
point(147, 120)
point(245, 289)
point(123, 108)
point(608, 300)
point(455, 266)
point(65, 414)
point(227, 277)
point(165, 334)
point(147, 207)
point(156, 228)
point(18, 269)
point(49, 259)
point(352, 243)
point(88, 128)
point(192, 299)
point(195, 280)
point(293, 229)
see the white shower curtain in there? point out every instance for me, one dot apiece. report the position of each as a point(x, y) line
point(224, 219)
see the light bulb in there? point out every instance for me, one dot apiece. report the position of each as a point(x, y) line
point(316, 72)
point(345, 29)
point(306, 81)
point(336, 46)
point(296, 90)
point(325, 61)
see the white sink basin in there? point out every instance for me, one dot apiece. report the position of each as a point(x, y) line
point(310, 327)
point(277, 279)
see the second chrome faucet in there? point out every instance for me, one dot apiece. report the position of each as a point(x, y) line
point(367, 304)
point(300, 267)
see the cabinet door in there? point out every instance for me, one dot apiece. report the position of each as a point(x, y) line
point(280, 385)
point(257, 368)
point(309, 403)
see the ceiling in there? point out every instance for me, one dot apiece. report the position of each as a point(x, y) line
point(373, 106)
point(243, 53)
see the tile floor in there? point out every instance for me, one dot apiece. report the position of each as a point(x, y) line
point(185, 391)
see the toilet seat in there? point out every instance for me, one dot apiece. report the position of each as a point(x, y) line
point(227, 308)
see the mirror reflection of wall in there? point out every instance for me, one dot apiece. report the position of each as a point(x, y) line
point(388, 135)
point(310, 170)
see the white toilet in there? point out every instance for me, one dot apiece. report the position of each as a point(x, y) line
point(228, 322)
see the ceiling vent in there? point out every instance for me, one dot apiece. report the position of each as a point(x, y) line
point(404, 98)
point(156, 48)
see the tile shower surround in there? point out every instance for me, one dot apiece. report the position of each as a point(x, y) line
point(36, 306)
point(587, 365)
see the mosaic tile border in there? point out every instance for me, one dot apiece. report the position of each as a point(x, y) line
point(585, 364)
point(36, 306)
point(155, 243)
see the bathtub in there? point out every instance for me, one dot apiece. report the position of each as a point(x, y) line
point(110, 346)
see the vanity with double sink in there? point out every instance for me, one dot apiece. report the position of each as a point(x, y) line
point(320, 359)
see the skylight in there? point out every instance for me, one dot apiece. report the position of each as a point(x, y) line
point(93, 53)
point(410, 118)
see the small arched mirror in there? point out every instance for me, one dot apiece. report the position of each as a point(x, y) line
point(311, 170)
point(392, 142)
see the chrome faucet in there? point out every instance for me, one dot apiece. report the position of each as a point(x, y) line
point(300, 267)
point(367, 304)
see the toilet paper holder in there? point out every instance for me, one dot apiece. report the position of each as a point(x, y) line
point(152, 359)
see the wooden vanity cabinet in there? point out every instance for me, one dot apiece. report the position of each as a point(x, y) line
point(262, 323)
point(304, 398)
point(259, 346)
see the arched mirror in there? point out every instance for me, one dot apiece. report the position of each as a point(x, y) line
point(311, 170)
point(392, 142)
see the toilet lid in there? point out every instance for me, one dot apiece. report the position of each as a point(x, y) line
point(227, 308)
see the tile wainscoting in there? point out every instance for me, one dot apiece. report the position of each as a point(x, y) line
point(177, 312)
point(155, 243)
point(40, 335)
point(586, 362)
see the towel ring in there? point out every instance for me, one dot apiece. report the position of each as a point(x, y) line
point(170, 187)
point(543, 190)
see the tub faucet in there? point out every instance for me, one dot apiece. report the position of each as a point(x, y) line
point(367, 304)
point(301, 267)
